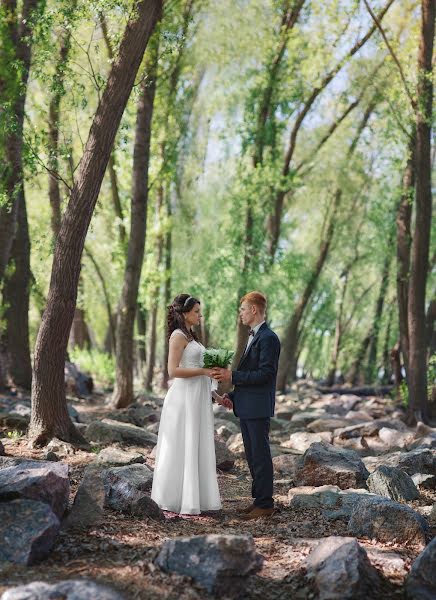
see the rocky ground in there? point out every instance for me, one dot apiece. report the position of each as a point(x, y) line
point(345, 466)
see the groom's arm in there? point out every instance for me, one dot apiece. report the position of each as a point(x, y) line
point(269, 350)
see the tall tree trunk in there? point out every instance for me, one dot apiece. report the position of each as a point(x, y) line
point(338, 333)
point(387, 370)
point(151, 354)
point(16, 300)
point(123, 392)
point(49, 410)
point(372, 353)
point(167, 293)
point(292, 332)
point(141, 326)
point(290, 339)
point(17, 50)
point(354, 375)
point(404, 240)
point(79, 334)
point(417, 375)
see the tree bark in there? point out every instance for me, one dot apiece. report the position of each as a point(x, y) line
point(167, 294)
point(13, 89)
point(373, 346)
point(404, 240)
point(49, 410)
point(16, 293)
point(417, 375)
point(123, 392)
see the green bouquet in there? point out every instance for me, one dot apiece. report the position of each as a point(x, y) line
point(217, 357)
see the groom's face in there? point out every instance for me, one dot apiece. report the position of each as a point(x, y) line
point(247, 313)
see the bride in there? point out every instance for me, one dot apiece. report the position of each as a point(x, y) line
point(185, 478)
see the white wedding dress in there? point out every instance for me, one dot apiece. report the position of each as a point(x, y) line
point(185, 479)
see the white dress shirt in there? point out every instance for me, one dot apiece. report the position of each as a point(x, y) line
point(251, 337)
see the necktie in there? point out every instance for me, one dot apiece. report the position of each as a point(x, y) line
point(251, 332)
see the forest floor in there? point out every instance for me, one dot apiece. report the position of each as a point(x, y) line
point(120, 552)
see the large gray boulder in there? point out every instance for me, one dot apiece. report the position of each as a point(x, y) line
point(286, 465)
point(127, 490)
point(72, 589)
point(392, 483)
point(415, 461)
point(37, 480)
point(324, 464)
point(340, 570)
point(421, 581)
point(302, 440)
point(387, 521)
point(28, 530)
point(109, 431)
point(220, 563)
point(335, 503)
point(88, 507)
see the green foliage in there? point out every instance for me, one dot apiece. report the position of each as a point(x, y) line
point(217, 357)
point(98, 364)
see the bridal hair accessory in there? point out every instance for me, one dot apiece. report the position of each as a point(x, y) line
point(187, 300)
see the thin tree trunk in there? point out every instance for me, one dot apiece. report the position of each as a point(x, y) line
point(141, 325)
point(111, 318)
point(123, 392)
point(167, 294)
point(354, 375)
point(79, 334)
point(372, 353)
point(151, 354)
point(417, 375)
point(404, 240)
point(338, 334)
point(386, 348)
point(49, 410)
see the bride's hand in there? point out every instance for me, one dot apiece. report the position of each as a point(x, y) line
point(208, 372)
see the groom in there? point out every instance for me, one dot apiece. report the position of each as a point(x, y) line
point(253, 400)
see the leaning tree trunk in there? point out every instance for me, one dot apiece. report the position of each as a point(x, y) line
point(123, 392)
point(354, 375)
point(417, 376)
point(49, 410)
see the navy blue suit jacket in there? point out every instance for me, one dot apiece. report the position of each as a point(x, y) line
point(254, 393)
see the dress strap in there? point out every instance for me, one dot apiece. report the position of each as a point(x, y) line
point(178, 332)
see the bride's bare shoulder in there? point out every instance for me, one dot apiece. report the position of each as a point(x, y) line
point(178, 333)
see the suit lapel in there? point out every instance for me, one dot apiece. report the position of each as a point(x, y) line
point(244, 356)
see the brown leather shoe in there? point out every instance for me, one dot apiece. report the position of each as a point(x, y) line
point(245, 509)
point(258, 513)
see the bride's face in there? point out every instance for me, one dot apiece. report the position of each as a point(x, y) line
point(193, 317)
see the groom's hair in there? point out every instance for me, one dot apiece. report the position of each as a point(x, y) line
point(256, 298)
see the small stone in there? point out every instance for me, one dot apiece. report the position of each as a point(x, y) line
point(72, 589)
point(117, 457)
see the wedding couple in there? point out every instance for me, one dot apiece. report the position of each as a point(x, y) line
point(185, 479)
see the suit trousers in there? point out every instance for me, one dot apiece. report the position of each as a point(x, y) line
point(255, 434)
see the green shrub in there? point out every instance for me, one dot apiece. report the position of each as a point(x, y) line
point(100, 365)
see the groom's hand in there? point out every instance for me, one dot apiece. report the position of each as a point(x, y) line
point(227, 402)
point(221, 374)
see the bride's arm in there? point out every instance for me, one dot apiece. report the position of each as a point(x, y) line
point(177, 344)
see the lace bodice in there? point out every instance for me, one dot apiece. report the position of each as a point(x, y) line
point(192, 356)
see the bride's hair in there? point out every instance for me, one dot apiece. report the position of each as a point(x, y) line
point(183, 303)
